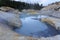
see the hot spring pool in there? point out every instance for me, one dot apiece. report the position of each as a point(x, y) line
point(33, 27)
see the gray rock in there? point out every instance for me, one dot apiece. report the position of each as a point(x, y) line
point(9, 9)
point(11, 19)
point(55, 22)
point(51, 10)
point(6, 33)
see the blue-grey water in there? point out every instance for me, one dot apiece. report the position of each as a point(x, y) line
point(32, 26)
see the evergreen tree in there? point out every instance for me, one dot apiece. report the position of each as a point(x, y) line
point(20, 5)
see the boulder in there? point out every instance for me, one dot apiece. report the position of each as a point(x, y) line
point(12, 20)
point(55, 22)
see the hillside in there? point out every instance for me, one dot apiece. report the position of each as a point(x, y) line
point(52, 10)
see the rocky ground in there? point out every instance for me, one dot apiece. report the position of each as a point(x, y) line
point(8, 22)
point(53, 11)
